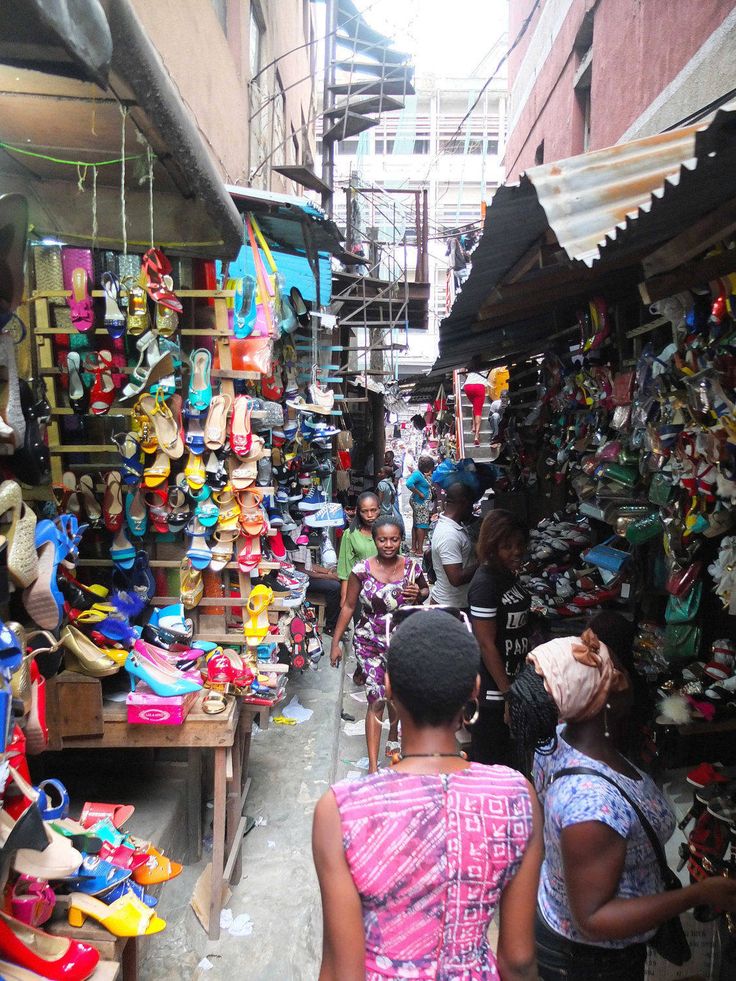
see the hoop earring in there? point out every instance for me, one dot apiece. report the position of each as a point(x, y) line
point(474, 717)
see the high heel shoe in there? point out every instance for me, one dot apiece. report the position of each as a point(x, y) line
point(102, 393)
point(86, 656)
point(200, 385)
point(129, 447)
point(112, 502)
point(114, 317)
point(46, 956)
point(162, 681)
point(42, 599)
point(126, 917)
point(92, 510)
point(22, 557)
point(76, 392)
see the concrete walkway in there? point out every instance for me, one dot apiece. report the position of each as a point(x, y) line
point(291, 767)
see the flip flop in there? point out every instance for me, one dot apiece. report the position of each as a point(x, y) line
point(159, 470)
point(92, 812)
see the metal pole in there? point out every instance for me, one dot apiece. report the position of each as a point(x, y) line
point(328, 150)
point(425, 235)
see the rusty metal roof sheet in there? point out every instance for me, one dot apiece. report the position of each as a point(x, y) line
point(599, 205)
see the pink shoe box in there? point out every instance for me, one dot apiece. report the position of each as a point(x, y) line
point(147, 708)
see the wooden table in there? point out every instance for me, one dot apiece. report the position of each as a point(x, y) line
point(228, 735)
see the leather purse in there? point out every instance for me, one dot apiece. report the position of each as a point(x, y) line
point(681, 579)
point(660, 489)
point(670, 941)
point(623, 388)
point(605, 556)
point(683, 609)
point(643, 529)
point(681, 643)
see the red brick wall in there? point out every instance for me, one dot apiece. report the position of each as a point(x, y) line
point(639, 46)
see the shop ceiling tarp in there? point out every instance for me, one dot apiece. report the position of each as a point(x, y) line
point(601, 207)
point(69, 69)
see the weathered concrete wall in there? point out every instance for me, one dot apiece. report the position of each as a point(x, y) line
point(211, 69)
point(654, 61)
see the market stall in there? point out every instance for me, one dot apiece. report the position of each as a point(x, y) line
point(617, 446)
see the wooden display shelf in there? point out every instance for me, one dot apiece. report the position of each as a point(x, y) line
point(168, 563)
point(185, 294)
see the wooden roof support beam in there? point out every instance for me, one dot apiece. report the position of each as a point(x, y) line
point(686, 276)
point(706, 231)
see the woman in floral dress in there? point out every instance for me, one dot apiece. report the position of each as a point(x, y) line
point(382, 584)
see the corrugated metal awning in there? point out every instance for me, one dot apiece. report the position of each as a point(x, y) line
point(598, 213)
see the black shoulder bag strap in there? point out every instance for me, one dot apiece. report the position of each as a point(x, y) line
point(667, 874)
point(670, 940)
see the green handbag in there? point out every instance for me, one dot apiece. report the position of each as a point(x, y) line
point(660, 489)
point(620, 474)
point(629, 456)
point(682, 609)
point(681, 642)
point(643, 529)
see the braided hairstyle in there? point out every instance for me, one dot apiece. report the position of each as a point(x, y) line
point(533, 718)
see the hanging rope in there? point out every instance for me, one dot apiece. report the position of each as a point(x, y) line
point(69, 163)
point(123, 216)
point(149, 155)
point(94, 207)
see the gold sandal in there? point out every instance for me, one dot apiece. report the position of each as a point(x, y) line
point(191, 585)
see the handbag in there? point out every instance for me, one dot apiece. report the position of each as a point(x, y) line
point(669, 941)
point(643, 529)
point(681, 580)
point(620, 474)
point(681, 643)
point(605, 556)
point(623, 388)
point(682, 609)
point(660, 489)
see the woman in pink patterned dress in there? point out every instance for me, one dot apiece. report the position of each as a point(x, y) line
point(413, 862)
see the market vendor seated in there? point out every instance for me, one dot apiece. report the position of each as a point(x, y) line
point(323, 581)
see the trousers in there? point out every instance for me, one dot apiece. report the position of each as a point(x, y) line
point(559, 958)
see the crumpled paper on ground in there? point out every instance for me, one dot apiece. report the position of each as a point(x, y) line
point(295, 710)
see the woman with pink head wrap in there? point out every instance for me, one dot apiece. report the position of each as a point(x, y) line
point(601, 895)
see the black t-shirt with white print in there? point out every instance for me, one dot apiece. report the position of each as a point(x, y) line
point(496, 594)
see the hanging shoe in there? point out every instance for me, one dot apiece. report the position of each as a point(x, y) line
point(80, 302)
point(76, 392)
point(200, 384)
point(299, 306)
point(114, 316)
point(102, 393)
point(156, 269)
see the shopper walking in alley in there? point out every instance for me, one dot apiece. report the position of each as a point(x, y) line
point(381, 584)
point(601, 892)
point(388, 497)
point(476, 384)
point(421, 499)
point(407, 893)
point(452, 549)
point(499, 611)
point(357, 542)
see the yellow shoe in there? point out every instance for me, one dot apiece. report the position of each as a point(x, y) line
point(126, 917)
point(195, 472)
point(257, 606)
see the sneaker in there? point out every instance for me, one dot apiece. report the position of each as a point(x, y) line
point(274, 582)
point(275, 518)
point(329, 515)
point(287, 523)
point(314, 649)
point(282, 496)
point(265, 472)
point(294, 490)
point(302, 538)
point(289, 543)
point(319, 430)
point(313, 501)
point(314, 538)
point(305, 480)
point(327, 554)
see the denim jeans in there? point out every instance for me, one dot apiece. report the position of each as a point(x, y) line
point(559, 958)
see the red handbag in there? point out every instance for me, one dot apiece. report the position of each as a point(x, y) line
point(623, 388)
point(682, 580)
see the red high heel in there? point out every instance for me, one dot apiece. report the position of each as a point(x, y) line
point(102, 393)
point(50, 957)
point(155, 265)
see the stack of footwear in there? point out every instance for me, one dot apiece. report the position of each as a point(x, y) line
point(101, 871)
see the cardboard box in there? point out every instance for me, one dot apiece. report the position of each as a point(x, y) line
point(147, 708)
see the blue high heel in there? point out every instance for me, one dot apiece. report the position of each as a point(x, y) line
point(161, 682)
point(200, 383)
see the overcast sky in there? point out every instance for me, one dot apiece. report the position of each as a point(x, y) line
point(446, 37)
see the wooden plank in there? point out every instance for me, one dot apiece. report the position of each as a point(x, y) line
point(42, 320)
point(182, 294)
point(218, 843)
point(686, 276)
point(194, 805)
point(700, 235)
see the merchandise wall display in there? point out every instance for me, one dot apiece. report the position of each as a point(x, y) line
point(175, 444)
point(629, 444)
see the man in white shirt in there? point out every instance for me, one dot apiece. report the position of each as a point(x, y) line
point(452, 550)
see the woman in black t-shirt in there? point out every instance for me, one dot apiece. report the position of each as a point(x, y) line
point(499, 610)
